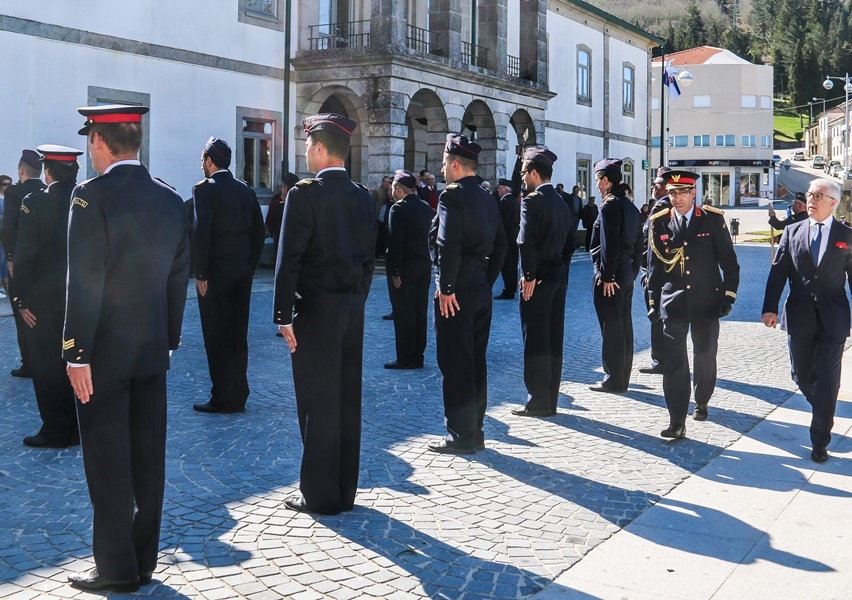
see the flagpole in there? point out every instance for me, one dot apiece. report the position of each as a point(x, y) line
point(663, 114)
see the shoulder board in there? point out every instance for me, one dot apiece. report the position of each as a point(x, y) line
point(165, 184)
point(79, 202)
point(24, 209)
point(452, 186)
point(305, 182)
point(202, 182)
point(609, 197)
point(362, 186)
point(660, 213)
point(533, 195)
point(713, 209)
point(89, 180)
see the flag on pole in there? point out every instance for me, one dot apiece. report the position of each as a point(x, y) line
point(671, 82)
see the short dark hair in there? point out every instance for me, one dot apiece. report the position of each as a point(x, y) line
point(120, 138)
point(544, 172)
point(336, 145)
point(468, 164)
point(423, 172)
point(62, 170)
point(220, 164)
point(612, 175)
point(29, 170)
point(5, 180)
point(407, 190)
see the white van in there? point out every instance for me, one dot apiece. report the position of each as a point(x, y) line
point(817, 161)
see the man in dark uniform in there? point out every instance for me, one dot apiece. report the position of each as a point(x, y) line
point(41, 258)
point(468, 245)
point(613, 236)
point(226, 245)
point(128, 266)
point(800, 213)
point(689, 244)
point(408, 267)
point(545, 244)
point(325, 267)
point(29, 171)
point(510, 216)
point(660, 199)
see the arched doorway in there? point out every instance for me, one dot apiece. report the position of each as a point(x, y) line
point(426, 120)
point(525, 137)
point(478, 124)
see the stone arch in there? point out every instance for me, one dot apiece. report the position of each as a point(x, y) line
point(478, 123)
point(339, 99)
point(426, 119)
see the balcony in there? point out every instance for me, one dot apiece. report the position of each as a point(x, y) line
point(473, 55)
point(331, 36)
point(417, 39)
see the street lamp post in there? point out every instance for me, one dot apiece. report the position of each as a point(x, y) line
point(819, 143)
point(847, 89)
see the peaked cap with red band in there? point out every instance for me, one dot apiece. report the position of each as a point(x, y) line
point(608, 164)
point(110, 113)
point(461, 146)
point(219, 152)
point(61, 153)
point(336, 124)
point(680, 179)
point(542, 156)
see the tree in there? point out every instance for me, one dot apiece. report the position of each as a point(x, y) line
point(692, 32)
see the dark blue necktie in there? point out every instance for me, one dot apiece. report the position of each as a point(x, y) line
point(815, 243)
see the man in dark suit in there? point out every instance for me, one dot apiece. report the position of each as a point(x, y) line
point(29, 171)
point(325, 267)
point(659, 200)
point(545, 245)
point(226, 245)
point(510, 217)
point(815, 256)
point(42, 259)
point(689, 244)
point(429, 193)
point(589, 215)
point(468, 245)
point(800, 213)
point(408, 267)
point(613, 235)
point(128, 266)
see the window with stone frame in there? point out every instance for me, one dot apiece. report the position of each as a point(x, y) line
point(628, 92)
point(262, 13)
point(584, 75)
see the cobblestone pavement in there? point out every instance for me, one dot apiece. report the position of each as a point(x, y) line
point(499, 524)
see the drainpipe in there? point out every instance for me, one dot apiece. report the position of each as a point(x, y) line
point(285, 160)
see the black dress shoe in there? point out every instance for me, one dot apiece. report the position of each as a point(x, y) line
point(388, 317)
point(602, 387)
point(445, 447)
point(297, 503)
point(208, 407)
point(22, 372)
point(505, 296)
point(654, 370)
point(700, 412)
point(92, 582)
point(401, 365)
point(677, 432)
point(525, 412)
point(145, 577)
point(819, 455)
point(39, 441)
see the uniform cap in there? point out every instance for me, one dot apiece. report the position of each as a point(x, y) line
point(31, 159)
point(55, 152)
point(542, 156)
point(661, 175)
point(608, 164)
point(405, 178)
point(290, 179)
point(110, 113)
point(219, 151)
point(461, 146)
point(680, 179)
point(506, 182)
point(800, 196)
point(336, 124)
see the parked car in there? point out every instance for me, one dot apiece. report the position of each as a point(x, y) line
point(798, 155)
point(834, 168)
point(817, 161)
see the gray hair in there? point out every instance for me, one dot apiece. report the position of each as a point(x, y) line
point(831, 187)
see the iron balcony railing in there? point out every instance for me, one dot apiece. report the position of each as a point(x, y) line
point(473, 54)
point(418, 39)
point(330, 36)
point(513, 66)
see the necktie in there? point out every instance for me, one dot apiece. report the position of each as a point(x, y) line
point(815, 243)
point(683, 224)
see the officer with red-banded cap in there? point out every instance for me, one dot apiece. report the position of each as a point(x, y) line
point(41, 258)
point(128, 266)
point(688, 245)
point(323, 276)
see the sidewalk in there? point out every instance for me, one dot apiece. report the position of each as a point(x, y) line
point(759, 521)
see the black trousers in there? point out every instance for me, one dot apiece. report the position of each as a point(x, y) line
point(461, 342)
point(224, 314)
point(815, 367)
point(509, 272)
point(588, 237)
point(616, 322)
point(676, 381)
point(543, 328)
point(327, 379)
point(20, 328)
point(53, 391)
point(123, 433)
point(658, 342)
point(410, 304)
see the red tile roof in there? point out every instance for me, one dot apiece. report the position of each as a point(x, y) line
point(693, 56)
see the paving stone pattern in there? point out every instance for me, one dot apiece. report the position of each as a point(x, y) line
point(499, 524)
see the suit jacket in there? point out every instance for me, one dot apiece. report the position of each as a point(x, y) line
point(614, 235)
point(817, 294)
point(467, 240)
point(327, 249)
point(544, 240)
point(794, 218)
point(12, 201)
point(683, 277)
point(128, 266)
point(41, 255)
point(429, 196)
point(228, 224)
point(510, 216)
point(408, 236)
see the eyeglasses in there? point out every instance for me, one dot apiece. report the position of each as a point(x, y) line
point(522, 173)
point(817, 196)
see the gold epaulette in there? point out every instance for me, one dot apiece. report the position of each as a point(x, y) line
point(712, 209)
point(202, 182)
point(79, 202)
point(660, 213)
point(609, 197)
point(304, 182)
point(24, 209)
point(452, 186)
